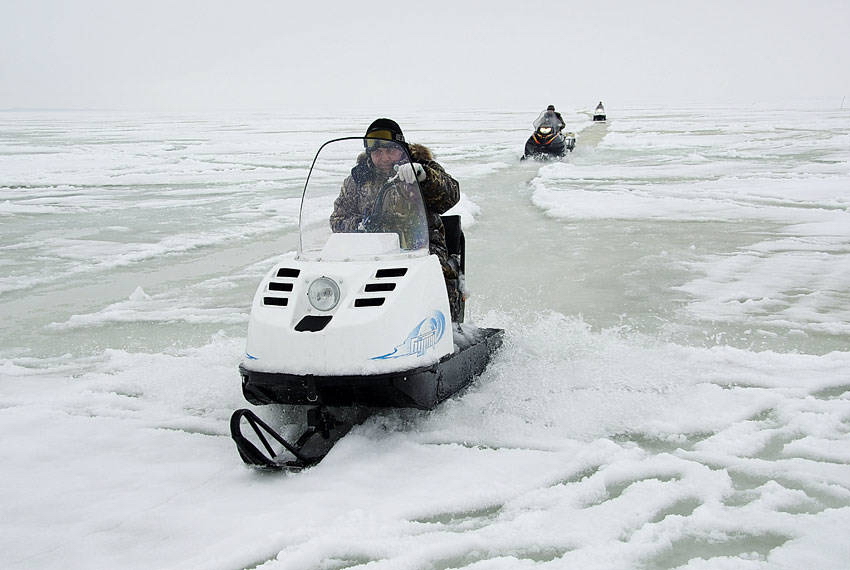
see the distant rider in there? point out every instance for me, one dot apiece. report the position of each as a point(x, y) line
point(375, 166)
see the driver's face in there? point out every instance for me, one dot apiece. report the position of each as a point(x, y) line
point(385, 157)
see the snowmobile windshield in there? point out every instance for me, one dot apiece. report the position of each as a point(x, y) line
point(357, 205)
point(547, 119)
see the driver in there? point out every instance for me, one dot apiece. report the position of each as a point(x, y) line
point(375, 166)
point(550, 117)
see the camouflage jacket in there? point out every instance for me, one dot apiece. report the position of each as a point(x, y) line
point(439, 193)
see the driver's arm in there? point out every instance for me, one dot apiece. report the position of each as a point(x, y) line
point(346, 215)
point(439, 190)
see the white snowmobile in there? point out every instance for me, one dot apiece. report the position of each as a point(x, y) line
point(599, 113)
point(354, 320)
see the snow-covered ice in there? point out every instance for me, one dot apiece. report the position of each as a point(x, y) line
point(673, 391)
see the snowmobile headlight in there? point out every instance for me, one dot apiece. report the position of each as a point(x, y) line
point(545, 130)
point(323, 293)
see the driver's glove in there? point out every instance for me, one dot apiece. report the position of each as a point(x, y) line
point(411, 171)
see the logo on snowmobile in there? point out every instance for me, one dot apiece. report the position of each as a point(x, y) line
point(426, 334)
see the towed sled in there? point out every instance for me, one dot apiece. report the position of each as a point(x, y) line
point(354, 321)
point(548, 140)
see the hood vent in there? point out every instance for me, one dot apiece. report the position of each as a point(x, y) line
point(391, 272)
point(281, 283)
point(380, 287)
point(313, 323)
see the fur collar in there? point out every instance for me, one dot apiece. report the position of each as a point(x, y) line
point(420, 153)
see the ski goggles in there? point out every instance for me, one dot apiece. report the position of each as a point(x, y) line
point(380, 139)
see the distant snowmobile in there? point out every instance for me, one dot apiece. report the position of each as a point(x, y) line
point(599, 113)
point(354, 321)
point(548, 140)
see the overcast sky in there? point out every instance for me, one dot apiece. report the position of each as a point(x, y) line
point(489, 54)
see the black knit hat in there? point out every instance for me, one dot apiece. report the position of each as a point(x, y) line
point(391, 131)
point(550, 108)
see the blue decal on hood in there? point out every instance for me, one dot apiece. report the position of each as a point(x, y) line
point(426, 334)
point(251, 356)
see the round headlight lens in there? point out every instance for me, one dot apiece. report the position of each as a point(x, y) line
point(323, 293)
